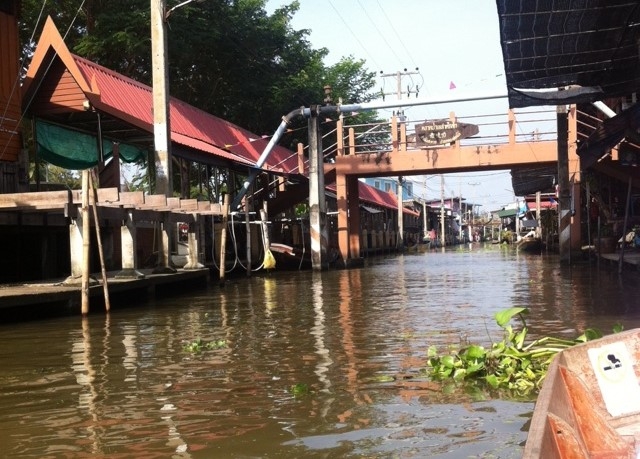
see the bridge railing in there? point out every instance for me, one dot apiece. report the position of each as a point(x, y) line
point(398, 134)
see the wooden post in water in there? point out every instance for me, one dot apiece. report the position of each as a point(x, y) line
point(223, 237)
point(564, 186)
point(247, 224)
point(105, 284)
point(86, 236)
point(624, 226)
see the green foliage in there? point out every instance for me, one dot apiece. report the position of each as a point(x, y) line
point(302, 210)
point(229, 58)
point(510, 364)
point(51, 174)
point(199, 345)
point(300, 389)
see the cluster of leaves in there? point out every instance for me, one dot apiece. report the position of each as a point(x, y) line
point(200, 345)
point(510, 364)
point(230, 58)
point(300, 389)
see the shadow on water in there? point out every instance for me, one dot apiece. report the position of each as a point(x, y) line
point(128, 385)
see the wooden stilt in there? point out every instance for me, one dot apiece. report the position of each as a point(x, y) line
point(105, 285)
point(223, 237)
point(86, 235)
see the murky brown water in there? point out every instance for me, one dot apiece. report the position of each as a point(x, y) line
point(124, 386)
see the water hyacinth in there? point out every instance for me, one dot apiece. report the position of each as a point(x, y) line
point(510, 364)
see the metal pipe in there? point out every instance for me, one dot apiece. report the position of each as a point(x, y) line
point(604, 108)
point(340, 108)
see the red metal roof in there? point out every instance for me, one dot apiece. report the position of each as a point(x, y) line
point(133, 101)
point(377, 197)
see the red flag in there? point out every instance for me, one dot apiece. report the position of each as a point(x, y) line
point(452, 85)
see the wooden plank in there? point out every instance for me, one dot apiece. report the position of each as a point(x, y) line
point(599, 438)
point(173, 203)
point(131, 197)
point(108, 195)
point(204, 206)
point(189, 204)
point(36, 200)
point(563, 442)
point(155, 200)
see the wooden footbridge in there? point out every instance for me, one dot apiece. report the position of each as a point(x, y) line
point(503, 142)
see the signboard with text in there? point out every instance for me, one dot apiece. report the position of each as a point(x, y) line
point(442, 132)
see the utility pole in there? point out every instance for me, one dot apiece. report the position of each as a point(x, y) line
point(473, 215)
point(398, 76)
point(442, 236)
point(161, 122)
point(161, 129)
point(400, 194)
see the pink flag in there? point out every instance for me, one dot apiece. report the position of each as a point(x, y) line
point(452, 85)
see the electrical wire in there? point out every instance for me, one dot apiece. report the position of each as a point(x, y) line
point(17, 80)
point(396, 33)
point(354, 35)
point(46, 71)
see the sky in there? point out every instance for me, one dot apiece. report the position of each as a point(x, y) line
point(452, 41)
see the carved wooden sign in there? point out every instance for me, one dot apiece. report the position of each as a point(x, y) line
point(442, 132)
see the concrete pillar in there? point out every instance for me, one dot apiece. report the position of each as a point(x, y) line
point(564, 186)
point(75, 246)
point(128, 248)
point(353, 193)
point(164, 264)
point(161, 120)
point(193, 244)
point(343, 217)
point(317, 200)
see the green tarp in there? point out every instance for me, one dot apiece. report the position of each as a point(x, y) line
point(507, 213)
point(76, 150)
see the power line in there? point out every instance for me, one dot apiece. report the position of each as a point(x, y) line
point(379, 32)
point(46, 71)
point(17, 79)
point(396, 33)
point(352, 33)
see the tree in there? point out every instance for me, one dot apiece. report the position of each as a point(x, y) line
point(227, 57)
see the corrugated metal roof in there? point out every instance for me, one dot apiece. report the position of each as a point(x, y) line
point(377, 197)
point(129, 104)
point(133, 101)
point(587, 50)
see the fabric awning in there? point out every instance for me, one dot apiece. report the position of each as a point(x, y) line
point(609, 134)
point(371, 210)
point(507, 213)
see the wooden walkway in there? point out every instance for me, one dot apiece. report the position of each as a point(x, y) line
point(631, 259)
point(61, 294)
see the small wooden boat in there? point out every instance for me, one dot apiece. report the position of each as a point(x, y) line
point(288, 257)
point(589, 405)
point(530, 244)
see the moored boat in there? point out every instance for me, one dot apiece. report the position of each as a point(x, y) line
point(288, 257)
point(589, 405)
point(530, 245)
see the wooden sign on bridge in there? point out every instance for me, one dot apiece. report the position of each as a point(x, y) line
point(443, 132)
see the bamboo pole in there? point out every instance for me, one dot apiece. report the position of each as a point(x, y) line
point(247, 225)
point(105, 285)
point(223, 237)
point(86, 235)
point(624, 226)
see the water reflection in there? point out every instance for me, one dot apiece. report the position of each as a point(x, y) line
point(124, 385)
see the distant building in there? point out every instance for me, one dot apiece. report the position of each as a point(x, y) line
point(390, 184)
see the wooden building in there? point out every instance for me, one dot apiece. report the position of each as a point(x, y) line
point(13, 164)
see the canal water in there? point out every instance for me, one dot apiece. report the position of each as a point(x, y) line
point(299, 364)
